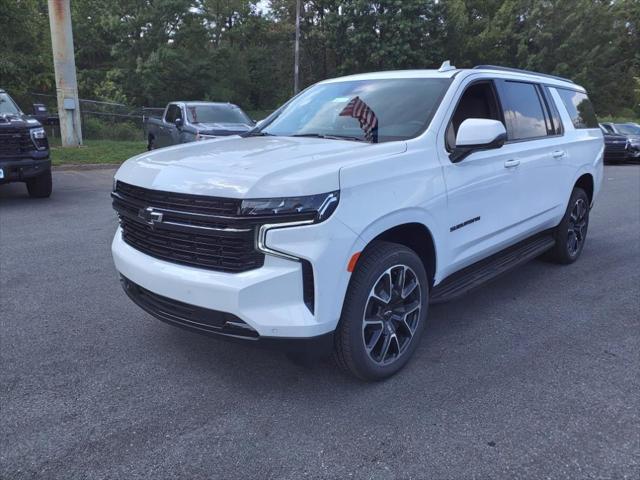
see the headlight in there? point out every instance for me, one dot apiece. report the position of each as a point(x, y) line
point(39, 138)
point(313, 207)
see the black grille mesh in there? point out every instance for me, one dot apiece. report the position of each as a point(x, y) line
point(14, 141)
point(196, 231)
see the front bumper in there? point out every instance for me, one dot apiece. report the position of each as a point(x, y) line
point(220, 324)
point(633, 152)
point(19, 170)
point(270, 299)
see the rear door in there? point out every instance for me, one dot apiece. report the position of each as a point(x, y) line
point(540, 157)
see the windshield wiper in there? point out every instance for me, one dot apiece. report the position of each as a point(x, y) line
point(330, 137)
point(258, 134)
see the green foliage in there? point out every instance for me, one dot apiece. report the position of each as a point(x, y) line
point(97, 151)
point(26, 61)
point(149, 52)
point(97, 129)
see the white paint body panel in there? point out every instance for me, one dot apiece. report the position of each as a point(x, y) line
point(381, 186)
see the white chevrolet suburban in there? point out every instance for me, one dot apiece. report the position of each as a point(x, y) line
point(340, 218)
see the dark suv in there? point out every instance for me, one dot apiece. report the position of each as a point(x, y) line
point(24, 149)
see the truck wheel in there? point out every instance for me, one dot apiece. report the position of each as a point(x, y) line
point(151, 143)
point(571, 233)
point(384, 312)
point(40, 186)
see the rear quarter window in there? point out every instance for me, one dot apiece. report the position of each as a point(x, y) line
point(579, 108)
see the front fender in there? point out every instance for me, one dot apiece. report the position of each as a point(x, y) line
point(405, 216)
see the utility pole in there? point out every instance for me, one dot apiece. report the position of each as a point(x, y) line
point(65, 69)
point(296, 65)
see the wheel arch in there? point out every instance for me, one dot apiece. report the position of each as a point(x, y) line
point(586, 182)
point(414, 235)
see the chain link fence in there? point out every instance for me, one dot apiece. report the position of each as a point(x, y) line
point(100, 120)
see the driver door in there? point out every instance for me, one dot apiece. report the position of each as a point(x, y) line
point(482, 188)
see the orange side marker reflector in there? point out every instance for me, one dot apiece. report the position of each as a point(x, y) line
point(352, 263)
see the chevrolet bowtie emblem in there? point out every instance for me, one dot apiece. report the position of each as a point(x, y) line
point(150, 216)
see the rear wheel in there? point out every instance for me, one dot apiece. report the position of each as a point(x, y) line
point(40, 186)
point(151, 143)
point(571, 234)
point(384, 312)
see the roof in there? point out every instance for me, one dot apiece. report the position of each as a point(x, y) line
point(447, 71)
point(197, 102)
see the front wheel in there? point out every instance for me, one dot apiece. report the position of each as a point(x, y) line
point(384, 312)
point(40, 186)
point(571, 233)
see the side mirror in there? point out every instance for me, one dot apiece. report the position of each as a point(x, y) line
point(179, 122)
point(477, 134)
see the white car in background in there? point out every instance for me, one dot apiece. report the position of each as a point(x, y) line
point(336, 222)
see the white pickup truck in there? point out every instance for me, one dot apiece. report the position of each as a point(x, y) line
point(337, 221)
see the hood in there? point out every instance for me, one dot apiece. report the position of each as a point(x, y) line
point(614, 138)
point(252, 167)
point(222, 128)
point(18, 121)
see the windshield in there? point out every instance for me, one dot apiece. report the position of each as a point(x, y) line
point(216, 114)
point(7, 106)
point(362, 110)
point(628, 129)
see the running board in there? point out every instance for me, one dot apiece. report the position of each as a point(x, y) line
point(485, 270)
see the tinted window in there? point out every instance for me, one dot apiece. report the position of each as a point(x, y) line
point(477, 101)
point(523, 111)
point(173, 112)
point(579, 108)
point(628, 128)
point(366, 110)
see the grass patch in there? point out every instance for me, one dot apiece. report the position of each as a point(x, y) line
point(97, 151)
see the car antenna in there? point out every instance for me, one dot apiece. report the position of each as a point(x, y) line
point(446, 66)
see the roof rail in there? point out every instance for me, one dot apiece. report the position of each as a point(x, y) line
point(518, 70)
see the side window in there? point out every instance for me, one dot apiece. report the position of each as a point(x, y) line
point(178, 114)
point(523, 111)
point(579, 108)
point(479, 100)
point(171, 113)
point(607, 128)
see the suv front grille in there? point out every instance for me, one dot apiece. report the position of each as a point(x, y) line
point(194, 230)
point(617, 150)
point(15, 141)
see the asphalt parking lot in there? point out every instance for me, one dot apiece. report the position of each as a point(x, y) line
point(536, 375)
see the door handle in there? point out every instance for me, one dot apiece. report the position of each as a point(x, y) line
point(558, 153)
point(511, 163)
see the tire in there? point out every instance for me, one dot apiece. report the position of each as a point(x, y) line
point(571, 233)
point(40, 186)
point(151, 143)
point(359, 346)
